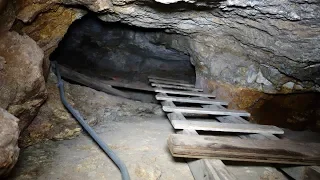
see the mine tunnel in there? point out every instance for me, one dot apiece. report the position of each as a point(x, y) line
point(122, 55)
point(159, 90)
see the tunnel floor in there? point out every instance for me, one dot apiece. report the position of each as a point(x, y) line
point(136, 131)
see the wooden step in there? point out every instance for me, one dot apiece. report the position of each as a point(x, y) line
point(189, 93)
point(176, 87)
point(295, 172)
point(195, 110)
point(225, 127)
point(171, 83)
point(235, 149)
point(196, 100)
point(202, 169)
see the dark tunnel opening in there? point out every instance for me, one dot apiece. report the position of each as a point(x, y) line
point(117, 51)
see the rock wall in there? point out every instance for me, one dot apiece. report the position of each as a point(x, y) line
point(243, 45)
point(270, 46)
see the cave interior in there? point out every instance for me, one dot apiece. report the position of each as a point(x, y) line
point(118, 77)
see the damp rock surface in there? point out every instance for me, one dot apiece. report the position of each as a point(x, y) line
point(9, 134)
point(22, 85)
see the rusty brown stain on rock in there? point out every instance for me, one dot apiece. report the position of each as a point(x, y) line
point(49, 28)
point(294, 111)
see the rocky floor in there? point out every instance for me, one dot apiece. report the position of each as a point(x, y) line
point(140, 143)
point(136, 131)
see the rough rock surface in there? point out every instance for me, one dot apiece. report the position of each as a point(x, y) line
point(256, 46)
point(295, 111)
point(9, 134)
point(49, 28)
point(270, 46)
point(22, 86)
point(54, 121)
point(136, 133)
point(120, 50)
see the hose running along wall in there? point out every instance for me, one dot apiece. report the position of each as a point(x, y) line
point(122, 167)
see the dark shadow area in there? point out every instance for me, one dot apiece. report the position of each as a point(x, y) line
point(294, 111)
point(114, 51)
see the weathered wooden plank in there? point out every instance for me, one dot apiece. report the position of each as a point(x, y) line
point(70, 74)
point(195, 110)
point(176, 87)
point(225, 127)
point(230, 148)
point(295, 172)
point(171, 83)
point(202, 169)
point(167, 79)
point(196, 100)
point(90, 82)
point(189, 93)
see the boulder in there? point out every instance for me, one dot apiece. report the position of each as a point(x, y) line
point(9, 134)
point(49, 27)
point(53, 120)
point(22, 86)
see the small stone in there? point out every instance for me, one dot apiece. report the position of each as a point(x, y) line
point(288, 85)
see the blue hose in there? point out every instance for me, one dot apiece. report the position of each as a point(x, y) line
point(122, 167)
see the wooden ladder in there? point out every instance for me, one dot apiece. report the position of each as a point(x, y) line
point(170, 91)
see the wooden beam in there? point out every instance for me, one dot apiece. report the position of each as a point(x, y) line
point(70, 74)
point(176, 87)
point(202, 169)
point(91, 82)
point(171, 83)
point(195, 110)
point(225, 127)
point(196, 100)
point(189, 93)
point(235, 149)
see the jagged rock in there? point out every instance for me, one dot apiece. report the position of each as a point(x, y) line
point(22, 86)
point(53, 121)
point(9, 134)
point(277, 40)
point(50, 27)
point(263, 46)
